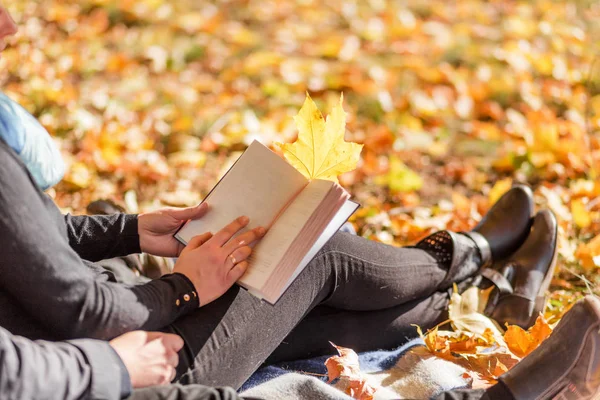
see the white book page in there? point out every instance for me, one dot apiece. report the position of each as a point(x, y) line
point(272, 247)
point(342, 216)
point(259, 185)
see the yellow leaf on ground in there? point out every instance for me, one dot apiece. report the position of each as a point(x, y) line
point(500, 187)
point(400, 178)
point(438, 345)
point(320, 152)
point(581, 215)
point(518, 340)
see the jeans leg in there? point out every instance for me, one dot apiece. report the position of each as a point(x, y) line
point(227, 340)
point(360, 330)
point(373, 276)
point(181, 392)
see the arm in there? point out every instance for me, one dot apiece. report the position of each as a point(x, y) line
point(105, 236)
point(62, 294)
point(66, 298)
point(100, 237)
point(75, 370)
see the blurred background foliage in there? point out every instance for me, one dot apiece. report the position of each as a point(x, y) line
point(151, 100)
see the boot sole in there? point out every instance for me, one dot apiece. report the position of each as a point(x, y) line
point(542, 297)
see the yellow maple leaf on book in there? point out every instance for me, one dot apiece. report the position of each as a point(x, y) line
point(320, 152)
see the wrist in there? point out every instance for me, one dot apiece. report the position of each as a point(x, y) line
point(130, 234)
point(190, 295)
point(126, 384)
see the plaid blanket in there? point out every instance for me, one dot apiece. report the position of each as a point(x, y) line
point(407, 372)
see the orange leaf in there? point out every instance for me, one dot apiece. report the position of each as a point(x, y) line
point(518, 340)
point(465, 346)
point(588, 253)
point(346, 367)
point(346, 364)
point(522, 342)
point(360, 389)
point(540, 330)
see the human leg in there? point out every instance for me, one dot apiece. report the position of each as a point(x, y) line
point(360, 330)
point(228, 339)
point(184, 392)
point(526, 274)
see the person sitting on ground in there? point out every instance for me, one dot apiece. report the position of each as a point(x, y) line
point(355, 292)
point(88, 368)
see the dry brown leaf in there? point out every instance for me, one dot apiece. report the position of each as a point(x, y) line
point(346, 368)
point(346, 364)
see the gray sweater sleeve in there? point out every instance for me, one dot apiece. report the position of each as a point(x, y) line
point(49, 281)
point(63, 370)
point(99, 237)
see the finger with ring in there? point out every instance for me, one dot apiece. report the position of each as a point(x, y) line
point(231, 257)
point(240, 254)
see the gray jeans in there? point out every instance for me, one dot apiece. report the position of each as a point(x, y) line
point(356, 293)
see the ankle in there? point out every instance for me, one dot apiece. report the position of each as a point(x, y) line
point(456, 253)
point(482, 246)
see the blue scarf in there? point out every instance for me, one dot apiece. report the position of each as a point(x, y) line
point(32, 143)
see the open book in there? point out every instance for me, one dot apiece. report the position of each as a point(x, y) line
point(300, 215)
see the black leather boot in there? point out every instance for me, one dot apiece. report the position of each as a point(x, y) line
point(501, 231)
point(523, 280)
point(566, 366)
point(506, 226)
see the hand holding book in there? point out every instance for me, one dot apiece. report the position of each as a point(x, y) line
point(301, 210)
point(213, 263)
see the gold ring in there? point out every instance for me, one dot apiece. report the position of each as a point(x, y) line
point(233, 260)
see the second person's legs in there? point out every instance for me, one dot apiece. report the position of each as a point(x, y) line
point(227, 340)
point(360, 330)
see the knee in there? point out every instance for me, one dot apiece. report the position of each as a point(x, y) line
point(335, 243)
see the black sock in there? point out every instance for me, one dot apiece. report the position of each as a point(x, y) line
point(455, 252)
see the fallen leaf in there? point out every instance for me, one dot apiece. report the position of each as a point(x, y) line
point(589, 254)
point(400, 178)
point(522, 342)
point(463, 312)
point(346, 368)
point(346, 364)
point(581, 216)
point(500, 187)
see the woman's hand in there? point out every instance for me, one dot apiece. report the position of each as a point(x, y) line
point(214, 263)
point(150, 357)
point(156, 229)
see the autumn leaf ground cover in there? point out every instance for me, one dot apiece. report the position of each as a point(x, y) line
point(151, 100)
